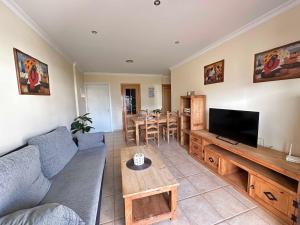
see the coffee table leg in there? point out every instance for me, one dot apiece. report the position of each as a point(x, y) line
point(173, 202)
point(128, 211)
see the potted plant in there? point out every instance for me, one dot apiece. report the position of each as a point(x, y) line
point(82, 124)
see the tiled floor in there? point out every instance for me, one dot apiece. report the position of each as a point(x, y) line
point(203, 198)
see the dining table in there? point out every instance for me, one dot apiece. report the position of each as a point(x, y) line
point(140, 120)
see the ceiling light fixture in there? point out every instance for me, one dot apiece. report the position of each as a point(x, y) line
point(129, 61)
point(94, 32)
point(157, 2)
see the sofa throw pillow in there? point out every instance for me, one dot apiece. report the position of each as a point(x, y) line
point(57, 148)
point(22, 183)
point(48, 214)
point(90, 140)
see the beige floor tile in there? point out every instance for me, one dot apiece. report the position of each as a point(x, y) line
point(222, 223)
point(224, 203)
point(242, 198)
point(199, 212)
point(110, 223)
point(189, 169)
point(119, 207)
point(185, 189)
point(108, 188)
point(267, 217)
point(180, 219)
point(107, 210)
point(203, 183)
point(217, 179)
point(177, 160)
point(119, 222)
point(176, 173)
point(118, 185)
point(247, 218)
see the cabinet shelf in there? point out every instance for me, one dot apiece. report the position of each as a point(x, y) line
point(239, 178)
point(148, 208)
point(194, 119)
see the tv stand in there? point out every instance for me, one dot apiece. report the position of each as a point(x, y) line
point(227, 140)
point(260, 173)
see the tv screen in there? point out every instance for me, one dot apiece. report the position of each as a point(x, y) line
point(240, 126)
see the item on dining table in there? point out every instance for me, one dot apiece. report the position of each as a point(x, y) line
point(190, 93)
point(138, 159)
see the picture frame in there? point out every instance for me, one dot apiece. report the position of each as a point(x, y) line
point(214, 73)
point(279, 63)
point(32, 74)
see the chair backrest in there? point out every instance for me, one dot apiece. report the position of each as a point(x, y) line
point(172, 119)
point(128, 121)
point(152, 122)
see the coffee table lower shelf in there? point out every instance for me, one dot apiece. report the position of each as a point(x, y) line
point(149, 209)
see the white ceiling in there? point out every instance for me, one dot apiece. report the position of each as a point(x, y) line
point(138, 30)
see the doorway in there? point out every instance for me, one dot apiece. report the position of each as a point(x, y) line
point(131, 100)
point(98, 104)
point(166, 98)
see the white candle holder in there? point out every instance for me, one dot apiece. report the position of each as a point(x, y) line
point(138, 159)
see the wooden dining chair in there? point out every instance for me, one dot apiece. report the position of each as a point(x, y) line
point(152, 128)
point(129, 128)
point(171, 127)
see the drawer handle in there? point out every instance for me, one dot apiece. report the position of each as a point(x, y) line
point(211, 159)
point(270, 196)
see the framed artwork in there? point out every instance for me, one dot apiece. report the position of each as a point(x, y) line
point(277, 64)
point(151, 92)
point(32, 74)
point(214, 73)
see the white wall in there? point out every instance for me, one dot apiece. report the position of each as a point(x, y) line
point(115, 80)
point(278, 101)
point(79, 90)
point(24, 116)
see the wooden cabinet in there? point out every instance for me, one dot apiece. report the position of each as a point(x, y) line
point(211, 158)
point(261, 173)
point(192, 116)
point(273, 196)
point(195, 150)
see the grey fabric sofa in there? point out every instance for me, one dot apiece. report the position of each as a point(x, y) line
point(78, 183)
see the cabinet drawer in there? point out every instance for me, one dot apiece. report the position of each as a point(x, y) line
point(196, 149)
point(271, 195)
point(211, 158)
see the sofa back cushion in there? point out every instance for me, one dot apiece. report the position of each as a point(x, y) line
point(90, 140)
point(22, 183)
point(47, 214)
point(57, 148)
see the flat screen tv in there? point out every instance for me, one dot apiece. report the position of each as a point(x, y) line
point(240, 126)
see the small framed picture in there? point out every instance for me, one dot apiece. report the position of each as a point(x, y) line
point(32, 74)
point(151, 92)
point(214, 73)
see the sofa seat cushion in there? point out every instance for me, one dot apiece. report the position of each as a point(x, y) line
point(90, 140)
point(78, 185)
point(22, 183)
point(56, 148)
point(46, 214)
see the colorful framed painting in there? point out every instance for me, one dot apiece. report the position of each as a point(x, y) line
point(32, 74)
point(214, 73)
point(277, 64)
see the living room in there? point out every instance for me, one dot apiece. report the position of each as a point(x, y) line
point(177, 67)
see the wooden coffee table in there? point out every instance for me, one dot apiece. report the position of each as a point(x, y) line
point(150, 195)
